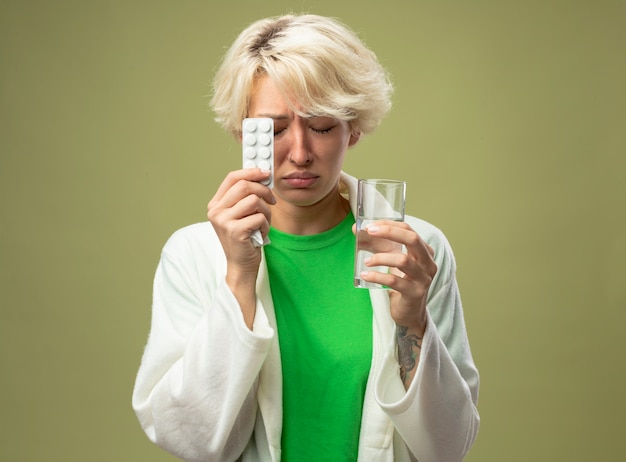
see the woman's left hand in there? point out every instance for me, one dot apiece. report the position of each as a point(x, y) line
point(410, 273)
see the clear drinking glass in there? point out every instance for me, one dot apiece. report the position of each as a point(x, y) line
point(377, 199)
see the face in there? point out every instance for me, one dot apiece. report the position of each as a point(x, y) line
point(308, 152)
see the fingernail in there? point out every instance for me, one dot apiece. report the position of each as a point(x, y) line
point(367, 260)
point(264, 170)
point(373, 228)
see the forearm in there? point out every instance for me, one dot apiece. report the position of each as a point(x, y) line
point(433, 407)
point(409, 348)
point(196, 386)
point(438, 404)
point(243, 287)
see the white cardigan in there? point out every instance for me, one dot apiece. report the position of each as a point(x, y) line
point(209, 389)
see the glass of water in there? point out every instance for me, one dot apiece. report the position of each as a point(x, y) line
point(377, 200)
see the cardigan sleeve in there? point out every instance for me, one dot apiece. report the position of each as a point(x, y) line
point(437, 416)
point(194, 393)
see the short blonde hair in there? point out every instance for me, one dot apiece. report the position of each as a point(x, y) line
point(320, 66)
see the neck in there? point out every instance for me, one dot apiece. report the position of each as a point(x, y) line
point(311, 219)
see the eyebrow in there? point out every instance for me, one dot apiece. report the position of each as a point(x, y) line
point(286, 117)
point(273, 116)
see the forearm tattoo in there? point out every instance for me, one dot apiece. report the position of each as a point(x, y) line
point(409, 346)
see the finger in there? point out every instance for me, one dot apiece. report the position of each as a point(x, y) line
point(388, 280)
point(250, 224)
point(395, 264)
point(398, 261)
point(249, 205)
point(240, 229)
point(402, 233)
point(238, 192)
point(236, 176)
point(371, 242)
point(431, 250)
point(412, 290)
point(405, 266)
point(243, 189)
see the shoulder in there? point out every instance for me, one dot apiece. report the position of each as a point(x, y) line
point(193, 241)
point(194, 234)
point(427, 231)
point(433, 236)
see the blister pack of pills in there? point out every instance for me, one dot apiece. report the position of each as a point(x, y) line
point(257, 139)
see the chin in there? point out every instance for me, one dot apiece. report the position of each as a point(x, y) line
point(303, 197)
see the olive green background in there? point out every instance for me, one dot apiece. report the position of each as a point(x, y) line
point(509, 126)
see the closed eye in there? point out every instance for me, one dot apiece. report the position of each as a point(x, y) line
point(322, 130)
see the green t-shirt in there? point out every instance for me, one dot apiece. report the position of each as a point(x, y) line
point(325, 335)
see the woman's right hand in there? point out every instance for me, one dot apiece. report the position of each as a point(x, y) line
point(238, 209)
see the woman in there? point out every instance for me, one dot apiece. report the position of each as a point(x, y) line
point(270, 353)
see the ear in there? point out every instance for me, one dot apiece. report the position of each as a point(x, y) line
point(355, 136)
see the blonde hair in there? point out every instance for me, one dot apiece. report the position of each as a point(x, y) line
point(319, 65)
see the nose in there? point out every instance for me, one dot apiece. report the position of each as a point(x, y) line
point(299, 153)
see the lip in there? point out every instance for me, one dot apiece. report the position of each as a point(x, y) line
point(300, 179)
